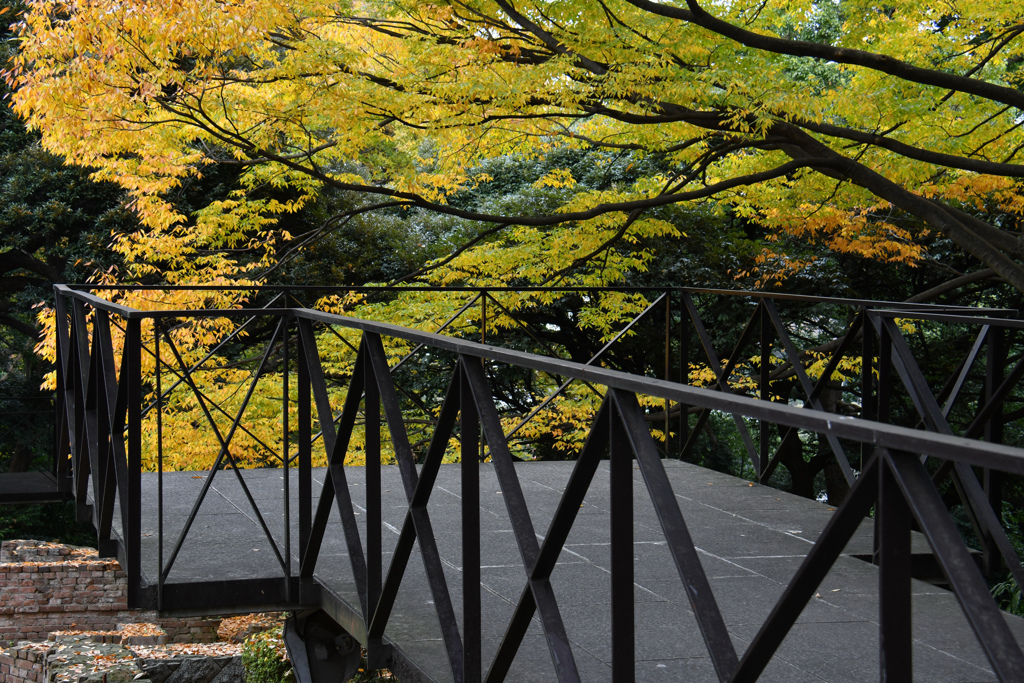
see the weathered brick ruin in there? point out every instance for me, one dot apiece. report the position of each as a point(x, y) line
point(46, 587)
point(98, 659)
point(50, 594)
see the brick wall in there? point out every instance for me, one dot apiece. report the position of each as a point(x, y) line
point(24, 663)
point(46, 587)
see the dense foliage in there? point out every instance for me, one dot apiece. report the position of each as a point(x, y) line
point(56, 224)
point(866, 130)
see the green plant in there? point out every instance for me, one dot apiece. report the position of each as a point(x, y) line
point(265, 659)
point(1008, 595)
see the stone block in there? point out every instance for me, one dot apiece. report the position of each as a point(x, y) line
point(158, 670)
point(195, 670)
point(231, 672)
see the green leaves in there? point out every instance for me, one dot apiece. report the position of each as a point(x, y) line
point(904, 111)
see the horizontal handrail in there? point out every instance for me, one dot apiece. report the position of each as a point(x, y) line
point(777, 296)
point(997, 456)
point(894, 437)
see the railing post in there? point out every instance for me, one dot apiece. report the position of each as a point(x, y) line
point(668, 371)
point(62, 424)
point(992, 479)
point(305, 452)
point(868, 408)
point(882, 400)
point(885, 376)
point(470, 471)
point(621, 504)
point(764, 379)
point(78, 354)
point(374, 561)
point(132, 525)
point(58, 411)
point(893, 524)
point(684, 378)
point(483, 340)
point(159, 467)
point(286, 453)
point(483, 316)
point(103, 437)
point(994, 366)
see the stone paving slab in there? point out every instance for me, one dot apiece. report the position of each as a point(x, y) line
point(750, 539)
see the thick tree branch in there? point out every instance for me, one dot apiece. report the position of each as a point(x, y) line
point(802, 48)
point(634, 209)
point(549, 40)
point(941, 217)
point(950, 285)
point(413, 199)
point(330, 225)
point(20, 326)
point(607, 244)
point(912, 152)
point(16, 259)
point(450, 257)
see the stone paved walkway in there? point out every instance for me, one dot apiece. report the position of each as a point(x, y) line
point(751, 540)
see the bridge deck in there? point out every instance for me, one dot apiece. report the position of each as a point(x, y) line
point(751, 539)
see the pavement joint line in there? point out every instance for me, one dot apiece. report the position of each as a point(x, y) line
point(520, 566)
point(727, 561)
point(585, 559)
point(733, 576)
point(745, 519)
point(450, 493)
point(550, 488)
point(581, 545)
point(757, 557)
point(952, 656)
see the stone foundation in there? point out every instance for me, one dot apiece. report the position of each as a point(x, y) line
point(47, 587)
point(94, 658)
point(193, 670)
point(74, 605)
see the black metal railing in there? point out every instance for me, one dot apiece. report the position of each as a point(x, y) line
point(103, 392)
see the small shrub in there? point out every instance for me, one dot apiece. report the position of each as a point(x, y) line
point(1008, 595)
point(265, 658)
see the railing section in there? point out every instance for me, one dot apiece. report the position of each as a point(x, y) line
point(101, 399)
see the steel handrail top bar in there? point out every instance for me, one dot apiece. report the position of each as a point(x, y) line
point(129, 313)
point(951, 318)
point(806, 298)
point(983, 454)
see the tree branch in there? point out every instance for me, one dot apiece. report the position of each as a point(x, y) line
point(413, 199)
point(20, 326)
point(950, 285)
point(16, 259)
point(802, 48)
